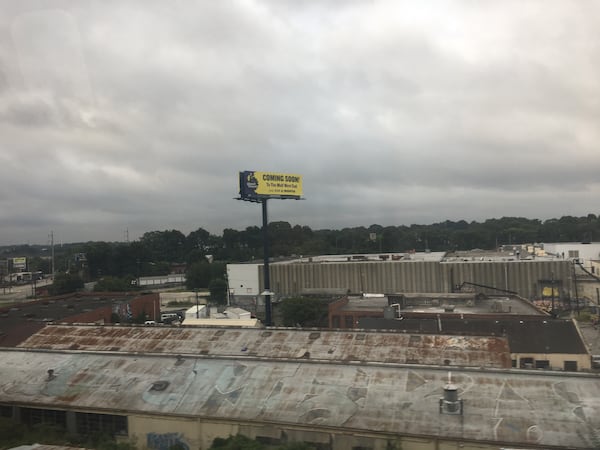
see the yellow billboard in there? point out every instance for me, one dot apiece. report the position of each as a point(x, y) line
point(256, 185)
point(19, 263)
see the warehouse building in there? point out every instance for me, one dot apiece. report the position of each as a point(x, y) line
point(138, 388)
point(534, 342)
point(526, 278)
point(161, 399)
point(347, 311)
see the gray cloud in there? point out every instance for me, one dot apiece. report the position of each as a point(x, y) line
point(139, 115)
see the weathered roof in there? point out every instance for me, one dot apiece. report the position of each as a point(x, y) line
point(515, 408)
point(331, 345)
point(524, 336)
point(18, 322)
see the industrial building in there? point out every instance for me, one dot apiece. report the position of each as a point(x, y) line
point(336, 389)
point(18, 322)
point(524, 277)
point(534, 342)
point(346, 311)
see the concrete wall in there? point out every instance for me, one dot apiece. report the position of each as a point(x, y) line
point(522, 277)
point(586, 251)
point(161, 433)
point(148, 304)
point(556, 360)
point(243, 279)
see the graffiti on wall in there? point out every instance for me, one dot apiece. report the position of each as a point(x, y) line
point(123, 310)
point(166, 441)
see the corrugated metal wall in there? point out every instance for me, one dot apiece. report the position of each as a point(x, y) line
point(417, 276)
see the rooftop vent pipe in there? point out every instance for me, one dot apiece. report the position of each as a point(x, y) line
point(450, 403)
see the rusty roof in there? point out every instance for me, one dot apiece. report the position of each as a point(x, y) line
point(525, 335)
point(19, 321)
point(502, 406)
point(279, 343)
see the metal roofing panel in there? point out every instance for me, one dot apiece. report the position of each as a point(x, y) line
point(500, 406)
point(278, 343)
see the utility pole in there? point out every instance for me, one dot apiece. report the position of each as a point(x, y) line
point(576, 293)
point(552, 287)
point(52, 250)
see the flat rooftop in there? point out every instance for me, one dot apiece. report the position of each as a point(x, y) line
point(368, 257)
point(278, 343)
point(533, 335)
point(439, 303)
point(510, 408)
point(19, 321)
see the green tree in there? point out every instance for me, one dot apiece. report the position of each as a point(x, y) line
point(65, 283)
point(238, 442)
point(198, 275)
point(218, 291)
point(115, 284)
point(307, 312)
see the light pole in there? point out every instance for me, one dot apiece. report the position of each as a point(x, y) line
point(552, 288)
point(576, 293)
point(267, 278)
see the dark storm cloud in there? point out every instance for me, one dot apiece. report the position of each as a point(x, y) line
point(139, 115)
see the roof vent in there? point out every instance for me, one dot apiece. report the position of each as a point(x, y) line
point(450, 403)
point(159, 385)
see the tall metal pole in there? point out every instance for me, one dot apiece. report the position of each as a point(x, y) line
point(576, 293)
point(52, 247)
point(552, 287)
point(267, 277)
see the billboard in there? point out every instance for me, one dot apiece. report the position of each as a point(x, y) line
point(258, 185)
point(19, 263)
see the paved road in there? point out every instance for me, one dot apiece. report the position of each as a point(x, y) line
point(20, 293)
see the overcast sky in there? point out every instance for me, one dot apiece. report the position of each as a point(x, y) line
point(139, 115)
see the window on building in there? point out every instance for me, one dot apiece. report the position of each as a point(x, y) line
point(349, 322)
point(526, 363)
point(88, 423)
point(573, 253)
point(542, 364)
point(33, 416)
point(335, 321)
point(6, 411)
point(570, 366)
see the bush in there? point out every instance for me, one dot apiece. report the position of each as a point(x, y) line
point(65, 283)
point(218, 291)
point(303, 311)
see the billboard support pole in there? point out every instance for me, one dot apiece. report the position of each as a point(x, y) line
point(258, 187)
point(267, 278)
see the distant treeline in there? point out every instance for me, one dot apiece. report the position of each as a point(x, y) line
point(156, 251)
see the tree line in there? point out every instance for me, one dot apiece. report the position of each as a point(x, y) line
point(204, 254)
